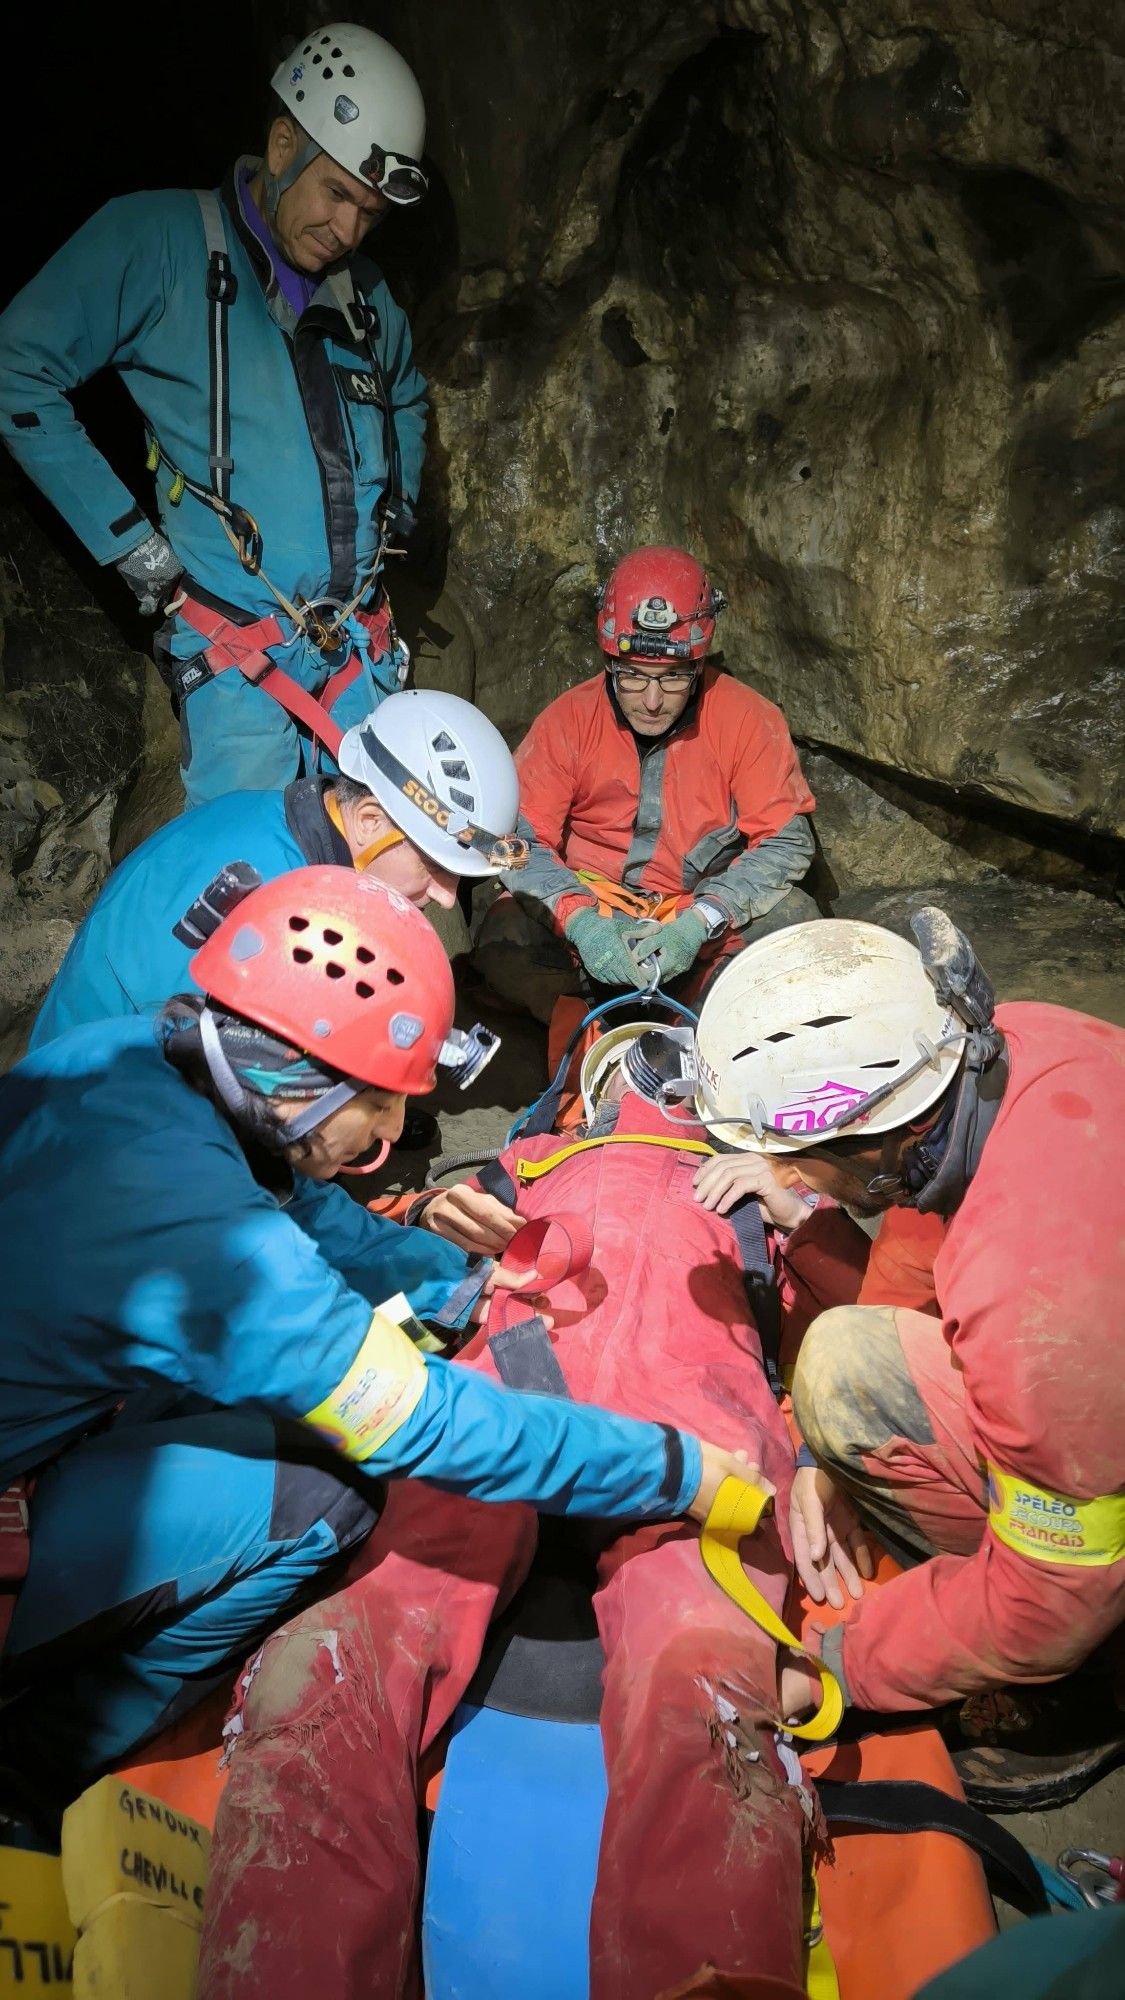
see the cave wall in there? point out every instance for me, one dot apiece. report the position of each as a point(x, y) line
point(835, 296)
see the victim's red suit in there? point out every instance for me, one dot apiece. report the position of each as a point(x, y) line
point(315, 1870)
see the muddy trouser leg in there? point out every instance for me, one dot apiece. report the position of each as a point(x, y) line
point(882, 1407)
point(159, 1553)
point(700, 1858)
point(520, 959)
point(314, 1867)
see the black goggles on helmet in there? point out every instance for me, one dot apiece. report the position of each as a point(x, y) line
point(396, 176)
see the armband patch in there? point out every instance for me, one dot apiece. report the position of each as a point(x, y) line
point(1049, 1527)
point(381, 1389)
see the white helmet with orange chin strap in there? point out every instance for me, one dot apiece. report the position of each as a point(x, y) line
point(444, 775)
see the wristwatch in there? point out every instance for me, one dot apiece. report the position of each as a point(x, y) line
point(714, 916)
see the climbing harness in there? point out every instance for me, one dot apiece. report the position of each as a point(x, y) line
point(323, 623)
point(735, 1513)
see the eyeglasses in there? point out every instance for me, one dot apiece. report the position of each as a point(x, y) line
point(676, 682)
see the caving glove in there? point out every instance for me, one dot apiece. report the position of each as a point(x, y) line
point(150, 570)
point(674, 945)
point(601, 945)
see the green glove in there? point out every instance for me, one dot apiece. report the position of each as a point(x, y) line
point(675, 945)
point(601, 945)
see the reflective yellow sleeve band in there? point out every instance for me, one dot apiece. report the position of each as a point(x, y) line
point(380, 1390)
point(1050, 1527)
point(533, 1170)
point(735, 1512)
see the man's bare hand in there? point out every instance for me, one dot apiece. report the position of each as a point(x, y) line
point(719, 1464)
point(474, 1221)
point(723, 1181)
point(507, 1281)
point(830, 1546)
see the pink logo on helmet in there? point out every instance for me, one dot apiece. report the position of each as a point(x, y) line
point(820, 1109)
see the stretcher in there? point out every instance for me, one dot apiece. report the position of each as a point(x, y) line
point(531, 1786)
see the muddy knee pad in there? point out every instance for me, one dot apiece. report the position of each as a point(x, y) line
point(852, 1389)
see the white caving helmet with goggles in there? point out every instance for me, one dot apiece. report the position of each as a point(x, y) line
point(834, 1028)
point(359, 102)
point(651, 1054)
point(444, 774)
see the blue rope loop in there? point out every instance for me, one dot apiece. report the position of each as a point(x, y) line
point(652, 997)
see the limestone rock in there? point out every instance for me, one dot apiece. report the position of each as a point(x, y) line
point(155, 793)
point(1034, 942)
point(834, 298)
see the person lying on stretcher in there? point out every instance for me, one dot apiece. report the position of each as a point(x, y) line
point(701, 1853)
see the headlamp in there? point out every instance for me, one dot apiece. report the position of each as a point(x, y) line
point(466, 1051)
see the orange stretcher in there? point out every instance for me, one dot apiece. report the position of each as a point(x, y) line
point(897, 1910)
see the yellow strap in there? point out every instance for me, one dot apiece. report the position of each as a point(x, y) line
point(821, 1982)
point(533, 1170)
point(735, 1512)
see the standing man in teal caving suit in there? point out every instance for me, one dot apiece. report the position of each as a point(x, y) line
point(285, 416)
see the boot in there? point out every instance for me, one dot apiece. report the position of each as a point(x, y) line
point(1017, 1749)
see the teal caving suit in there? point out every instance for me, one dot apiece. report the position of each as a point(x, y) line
point(123, 957)
point(168, 1325)
point(307, 451)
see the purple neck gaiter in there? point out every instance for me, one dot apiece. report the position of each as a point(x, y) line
point(296, 289)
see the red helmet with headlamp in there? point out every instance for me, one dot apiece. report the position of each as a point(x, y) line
point(658, 605)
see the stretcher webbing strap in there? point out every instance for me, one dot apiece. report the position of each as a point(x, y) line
point(222, 290)
point(821, 1982)
point(745, 1219)
point(735, 1513)
point(903, 1805)
point(495, 1180)
point(534, 1170)
point(525, 1359)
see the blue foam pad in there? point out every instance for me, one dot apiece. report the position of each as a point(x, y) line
point(512, 1859)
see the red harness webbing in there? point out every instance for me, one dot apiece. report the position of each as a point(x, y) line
point(244, 647)
point(15, 1549)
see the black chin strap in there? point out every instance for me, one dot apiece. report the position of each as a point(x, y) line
point(936, 1170)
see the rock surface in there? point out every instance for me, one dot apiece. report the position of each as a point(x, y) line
point(70, 733)
point(833, 297)
point(1035, 943)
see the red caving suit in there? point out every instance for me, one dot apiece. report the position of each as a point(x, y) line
point(315, 1869)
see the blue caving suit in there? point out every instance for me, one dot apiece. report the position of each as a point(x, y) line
point(307, 441)
point(167, 1320)
point(123, 957)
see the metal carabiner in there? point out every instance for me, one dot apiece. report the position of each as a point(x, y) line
point(326, 637)
point(1096, 1894)
point(247, 539)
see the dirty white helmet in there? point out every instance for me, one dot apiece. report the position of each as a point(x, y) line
point(829, 1028)
point(359, 101)
point(444, 774)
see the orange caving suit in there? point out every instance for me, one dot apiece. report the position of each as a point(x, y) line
point(716, 806)
point(993, 1434)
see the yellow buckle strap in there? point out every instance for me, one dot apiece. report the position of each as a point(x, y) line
point(533, 1170)
point(735, 1513)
